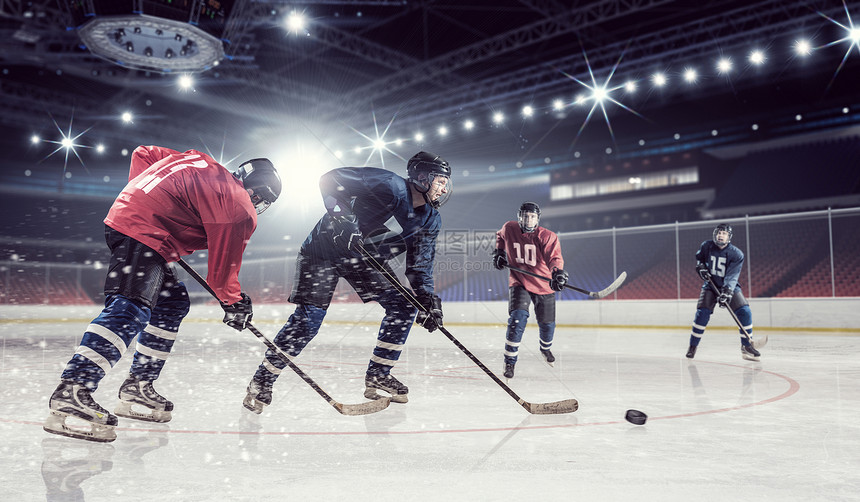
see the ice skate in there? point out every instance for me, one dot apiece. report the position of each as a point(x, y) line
point(140, 392)
point(258, 397)
point(385, 383)
point(691, 352)
point(547, 354)
point(75, 400)
point(749, 353)
point(509, 370)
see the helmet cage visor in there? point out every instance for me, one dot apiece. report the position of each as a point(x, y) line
point(528, 224)
point(435, 187)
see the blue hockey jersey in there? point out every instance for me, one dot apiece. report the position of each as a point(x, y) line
point(724, 264)
point(382, 203)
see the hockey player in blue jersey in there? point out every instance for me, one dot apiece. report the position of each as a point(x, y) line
point(386, 214)
point(721, 261)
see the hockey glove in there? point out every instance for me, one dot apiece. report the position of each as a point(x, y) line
point(239, 314)
point(702, 270)
point(347, 235)
point(500, 258)
point(431, 315)
point(559, 279)
point(725, 298)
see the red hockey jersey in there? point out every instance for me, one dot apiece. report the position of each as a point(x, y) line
point(177, 203)
point(537, 252)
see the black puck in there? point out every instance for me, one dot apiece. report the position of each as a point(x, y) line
point(636, 417)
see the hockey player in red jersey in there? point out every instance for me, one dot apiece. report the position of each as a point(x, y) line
point(174, 204)
point(536, 249)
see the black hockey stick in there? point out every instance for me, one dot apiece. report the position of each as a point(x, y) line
point(603, 293)
point(343, 409)
point(757, 344)
point(557, 407)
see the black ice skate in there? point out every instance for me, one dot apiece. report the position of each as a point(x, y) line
point(691, 352)
point(547, 354)
point(140, 392)
point(258, 397)
point(509, 370)
point(750, 353)
point(75, 400)
point(385, 383)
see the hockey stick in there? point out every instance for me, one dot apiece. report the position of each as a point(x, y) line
point(557, 407)
point(344, 409)
point(756, 344)
point(603, 293)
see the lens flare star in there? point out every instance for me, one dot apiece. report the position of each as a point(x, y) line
point(600, 94)
point(378, 144)
point(67, 143)
point(852, 36)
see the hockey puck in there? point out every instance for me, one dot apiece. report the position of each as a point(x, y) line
point(636, 417)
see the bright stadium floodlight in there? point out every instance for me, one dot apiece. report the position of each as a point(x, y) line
point(690, 75)
point(658, 79)
point(100, 148)
point(528, 111)
point(757, 57)
point(443, 131)
point(498, 118)
point(338, 154)
point(295, 22)
point(127, 117)
point(599, 94)
point(630, 86)
point(724, 65)
point(558, 105)
point(802, 47)
point(579, 99)
point(35, 139)
point(378, 144)
point(419, 136)
point(67, 143)
point(468, 125)
point(186, 82)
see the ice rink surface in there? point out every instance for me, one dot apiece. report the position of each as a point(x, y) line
point(719, 427)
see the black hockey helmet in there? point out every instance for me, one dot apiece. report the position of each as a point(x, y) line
point(425, 167)
point(723, 227)
point(528, 207)
point(260, 176)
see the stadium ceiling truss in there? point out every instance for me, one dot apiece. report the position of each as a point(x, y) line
point(542, 38)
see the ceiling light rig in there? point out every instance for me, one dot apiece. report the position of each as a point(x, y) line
point(152, 43)
point(600, 94)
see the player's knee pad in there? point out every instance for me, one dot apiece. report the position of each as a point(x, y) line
point(745, 317)
point(517, 325)
point(700, 321)
point(397, 307)
point(123, 317)
point(546, 331)
point(172, 307)
point(310, 317)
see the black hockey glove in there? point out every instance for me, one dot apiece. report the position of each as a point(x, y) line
point(500, 258)
point(239, 314)
point(431, 316)
point(559, 279)
point(347, 235)
point(702, 270)
point(725, 298)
